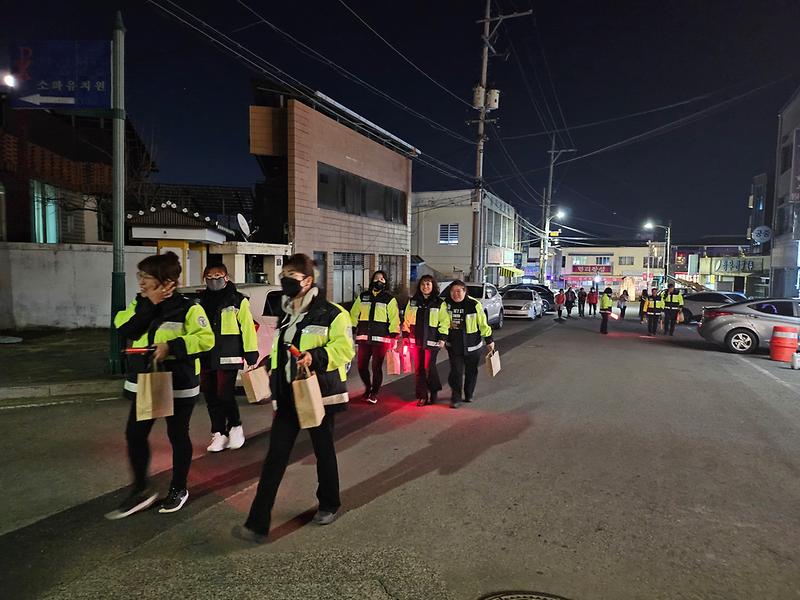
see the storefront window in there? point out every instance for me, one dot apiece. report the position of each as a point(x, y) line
point(44, 212)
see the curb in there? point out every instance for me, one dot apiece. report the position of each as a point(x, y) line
point(62, 389)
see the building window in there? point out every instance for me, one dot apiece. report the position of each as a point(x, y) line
point(655, 262)
point(350, 276)
point(786, 158)
point(448, 234)
point(393, 265)
point(602, 260)
point(625, 261)
point(44, 213)
point(348, 193)
point(579, 260)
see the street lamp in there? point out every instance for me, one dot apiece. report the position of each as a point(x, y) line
point(668, 243)
point(560, 214)
point(544, 251)
point(9, 80)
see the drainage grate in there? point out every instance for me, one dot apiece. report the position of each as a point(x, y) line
point(522, 596)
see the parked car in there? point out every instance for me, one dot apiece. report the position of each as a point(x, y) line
point(489, 297)
point(522, 302)
point(547, 295)
point(746, 326)
point(693, 304)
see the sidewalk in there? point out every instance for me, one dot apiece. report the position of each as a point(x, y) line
point(56, 362)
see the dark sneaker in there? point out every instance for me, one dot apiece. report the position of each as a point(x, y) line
point(242, 532)
point(468, 399)
point(174, 501)
point(422, 401)
point(433, 398)
point(136, 502)
point(323, 517)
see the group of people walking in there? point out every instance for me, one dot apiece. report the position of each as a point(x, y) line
point(204, 344)
point(666, 307)
point(567, 300)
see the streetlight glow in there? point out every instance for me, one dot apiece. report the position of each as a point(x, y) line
point(649, 225)
point(560, 214)
point(9, 80)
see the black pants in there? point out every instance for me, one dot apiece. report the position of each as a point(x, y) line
point(604, 323)
point(463, 375)
point(375, 354)
point(592, 309)
point(218, 387)
point(281, 441)
point(427, 375)
point(137, 432)
point(622, 310)
point(570, 306)
point(641, 312)
point(670, 318)
point(652, 323)
point(581, 308)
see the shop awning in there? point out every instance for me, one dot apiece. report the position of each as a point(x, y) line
point(511, 271)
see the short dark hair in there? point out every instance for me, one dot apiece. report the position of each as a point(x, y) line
point(380, 272)
point(219, 266)
point(164, 267)
point(301, 263)
point(458, 283)
point(670, 285)
point(434, 284)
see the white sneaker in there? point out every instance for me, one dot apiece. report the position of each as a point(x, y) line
point(218, 442)
point(236, 437)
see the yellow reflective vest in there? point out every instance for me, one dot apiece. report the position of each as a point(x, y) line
point(474, 327)
point(376, 318)
point(654, 305)
point(234, 330)
point(605, 303)
point(435, 319)
point(672, 301)
point(178, 322)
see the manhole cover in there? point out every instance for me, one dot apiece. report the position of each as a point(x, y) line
point(522, 596)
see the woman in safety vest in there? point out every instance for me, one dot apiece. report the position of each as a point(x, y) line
point(179, 331)
point(377, 321)
point(236, 346)
point(321, 331)
point(606, 307)
point(468, 332)
point(425, 327)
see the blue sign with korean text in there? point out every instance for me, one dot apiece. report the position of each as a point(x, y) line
point(63, 74)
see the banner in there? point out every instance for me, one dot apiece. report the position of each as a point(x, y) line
point(592, 269)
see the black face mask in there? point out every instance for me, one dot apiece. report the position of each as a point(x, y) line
point(378, 286)
point(290, 286)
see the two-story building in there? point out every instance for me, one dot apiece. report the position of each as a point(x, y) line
point(631, 265)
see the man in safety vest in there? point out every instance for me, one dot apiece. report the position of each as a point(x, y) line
point(606, 306)
point(673, 304)
point(654, 309)
point(377, 321)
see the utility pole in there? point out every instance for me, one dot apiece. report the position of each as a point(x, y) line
point(548, 204)
point(484, 100)
point(667, 252)
point(118, 189)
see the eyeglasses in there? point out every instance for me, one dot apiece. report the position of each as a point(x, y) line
point(141, 276)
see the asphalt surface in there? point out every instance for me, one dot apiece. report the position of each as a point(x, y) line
point(617, 466)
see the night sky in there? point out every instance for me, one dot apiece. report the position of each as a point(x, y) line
point(607, 59)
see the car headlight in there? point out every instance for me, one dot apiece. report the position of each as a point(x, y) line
point(528, 306)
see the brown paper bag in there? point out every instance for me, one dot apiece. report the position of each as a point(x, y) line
point(308, 399)
point(393, 366)
point(406, 359)
point(493, 362)
point(256, 384)
point(154, 394)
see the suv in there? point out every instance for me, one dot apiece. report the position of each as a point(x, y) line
point(488, 296)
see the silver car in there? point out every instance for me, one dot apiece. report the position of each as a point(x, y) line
point(693, 304)
point(489, 297)
point(745, 326)
point(522, 302)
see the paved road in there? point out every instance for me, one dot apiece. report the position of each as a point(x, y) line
point(616, 466)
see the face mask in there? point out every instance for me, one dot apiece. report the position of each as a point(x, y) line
point(378, 286)
point(216, 285)
point(290, 286)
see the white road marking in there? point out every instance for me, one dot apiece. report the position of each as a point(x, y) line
point(771, 375)
point(57, 403)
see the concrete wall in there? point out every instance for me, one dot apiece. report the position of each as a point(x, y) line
point(61, 285)
point(430, 209)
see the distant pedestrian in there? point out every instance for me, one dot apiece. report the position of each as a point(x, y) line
point(642, 306)
point(377, 321)
point(655, 309)
point(606, 305)
point(468, 333)
point(673, 304)
point(235, 347)
point(321, 331)
point(570, 298)
point(622, 303)
point(592, 300)
point(582, 302)
point(425, 327)
point(178, 330)
point(560, 300)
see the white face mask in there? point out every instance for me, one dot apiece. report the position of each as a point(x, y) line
point(215, 285)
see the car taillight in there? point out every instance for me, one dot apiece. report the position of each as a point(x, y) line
point(713, 314)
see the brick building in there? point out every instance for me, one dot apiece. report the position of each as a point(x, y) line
point(337, 188)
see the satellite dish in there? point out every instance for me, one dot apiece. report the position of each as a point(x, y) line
point(243, 225)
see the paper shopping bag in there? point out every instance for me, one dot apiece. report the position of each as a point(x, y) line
point(393, 362)
point(308, 399)
point(256, 384)
point(680, 318)
point(493, 362)
point(154, 394)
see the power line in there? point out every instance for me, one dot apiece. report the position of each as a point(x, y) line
point(309, 51)
point(550, 77)
point(404, 57)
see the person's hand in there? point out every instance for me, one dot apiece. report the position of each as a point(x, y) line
point(304, 360)
point(490, 347)
point(398, 347)
point(162, 292)
point(161, 352)
point(440, 343)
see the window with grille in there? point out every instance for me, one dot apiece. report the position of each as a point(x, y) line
point(448, 234)
point(626, 261)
